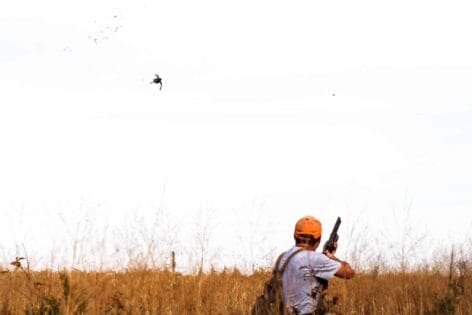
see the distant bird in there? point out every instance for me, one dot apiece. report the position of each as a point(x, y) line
point(17, 262)
point(157, 80)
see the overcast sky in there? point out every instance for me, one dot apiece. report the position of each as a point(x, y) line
point(269, 111)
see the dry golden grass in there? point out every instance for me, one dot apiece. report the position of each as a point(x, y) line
point(225, 292)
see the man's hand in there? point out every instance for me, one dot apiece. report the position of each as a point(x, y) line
point(333, 251)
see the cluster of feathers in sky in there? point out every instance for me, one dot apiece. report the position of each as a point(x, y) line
point(104, 31)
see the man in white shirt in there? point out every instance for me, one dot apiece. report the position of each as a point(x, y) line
point(304, 278)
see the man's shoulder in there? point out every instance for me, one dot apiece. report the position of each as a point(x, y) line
point(292, 250)
point(290, 253)
point(311, 254)
point(307, 256)
point(297, 253)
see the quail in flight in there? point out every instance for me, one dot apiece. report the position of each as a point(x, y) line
point(157, 80)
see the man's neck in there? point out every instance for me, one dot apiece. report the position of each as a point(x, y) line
point(307, 247)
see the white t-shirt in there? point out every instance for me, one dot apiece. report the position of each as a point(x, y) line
point(301, 289)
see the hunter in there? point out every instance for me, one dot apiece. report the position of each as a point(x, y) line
point(308, 271)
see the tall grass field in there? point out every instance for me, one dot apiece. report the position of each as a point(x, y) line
point(435, 290)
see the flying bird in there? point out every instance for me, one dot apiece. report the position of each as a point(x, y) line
point(157, 80)
point(17, 262)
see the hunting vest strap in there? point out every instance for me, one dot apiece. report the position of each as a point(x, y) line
point(276, 269)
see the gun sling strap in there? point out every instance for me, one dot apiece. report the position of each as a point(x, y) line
point(277, 263)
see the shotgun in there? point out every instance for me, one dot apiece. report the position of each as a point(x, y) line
point(333, 237)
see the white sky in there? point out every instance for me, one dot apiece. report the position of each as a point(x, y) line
point(269, 111)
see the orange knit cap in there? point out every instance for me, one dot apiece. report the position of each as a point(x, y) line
point(308, 225)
